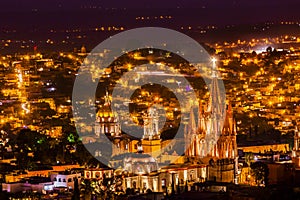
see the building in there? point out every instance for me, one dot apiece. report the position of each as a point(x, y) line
point(64, 179)
point(207, 137)
point(209, 141)
point(16, 177)
point(98, 173)
point(263, 148)
point(107, 121)
point(34, 184)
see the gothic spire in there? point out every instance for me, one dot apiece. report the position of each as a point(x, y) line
point(192, 122)
point(215, 102)
point(201, 121)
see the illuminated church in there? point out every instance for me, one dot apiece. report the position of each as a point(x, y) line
point(107, 125)
point(106, 121)
point(209, 141)
point(207, 137)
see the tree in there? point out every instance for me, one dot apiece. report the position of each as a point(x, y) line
point(4, 195)
point(29, 143)
point(105, 188)
point(76, 193)
point(249, 158)
point(260, 171)
point(86, 188)
point(172, 188)
point(186, 187)
point(178, 189)
point(129, 191)
point(167, 194)
point(148, 191)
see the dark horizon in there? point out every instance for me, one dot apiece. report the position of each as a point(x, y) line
point(17, 13)
point(35, 21)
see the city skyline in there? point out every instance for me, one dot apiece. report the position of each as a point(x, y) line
point(149, 99)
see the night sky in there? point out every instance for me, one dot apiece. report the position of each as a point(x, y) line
point(218, 12)
point(35, 19)
point(10, 5)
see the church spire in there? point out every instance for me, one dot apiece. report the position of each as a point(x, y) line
point(229, 126)
point(214, 67)
point(192, 122)
point(215, 101)
point(151, 120)
point(201, 120)
point(227, 129)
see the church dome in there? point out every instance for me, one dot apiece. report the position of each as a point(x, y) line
point(105, 111)
point(140, 163)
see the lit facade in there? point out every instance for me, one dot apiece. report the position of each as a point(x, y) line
point(106, 121)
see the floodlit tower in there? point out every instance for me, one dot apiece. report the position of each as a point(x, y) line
point(151, 141)
point(151, 124)
point(107, 122)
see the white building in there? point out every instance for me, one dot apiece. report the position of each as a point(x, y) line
point(65, 180)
